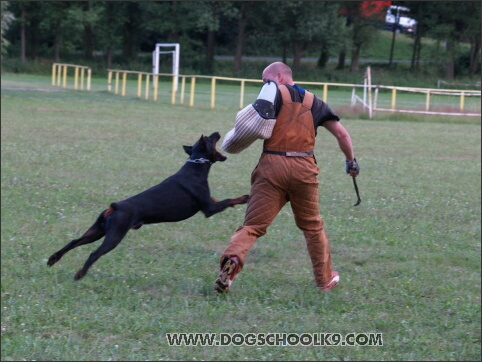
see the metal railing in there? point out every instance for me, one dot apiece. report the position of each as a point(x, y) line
point(60, 74)
point(227, 91)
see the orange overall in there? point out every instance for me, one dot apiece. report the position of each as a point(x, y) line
point(278, 179)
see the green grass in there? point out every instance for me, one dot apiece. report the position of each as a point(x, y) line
point(408, 256)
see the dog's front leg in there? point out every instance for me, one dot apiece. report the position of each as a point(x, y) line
point(214, 206)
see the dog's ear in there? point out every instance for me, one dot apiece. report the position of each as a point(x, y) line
point(188, 149)
point(202, 142)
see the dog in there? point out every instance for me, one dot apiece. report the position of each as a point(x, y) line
point(177, 198)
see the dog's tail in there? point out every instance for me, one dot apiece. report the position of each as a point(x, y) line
point(107, 212)
point(101, 219)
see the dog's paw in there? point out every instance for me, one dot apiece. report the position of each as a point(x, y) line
point(53, 259)
point(80, 274)
point(243, 199)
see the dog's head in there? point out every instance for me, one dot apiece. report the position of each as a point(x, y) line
point(205, 148)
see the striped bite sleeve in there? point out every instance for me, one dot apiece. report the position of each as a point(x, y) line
point(249, 127)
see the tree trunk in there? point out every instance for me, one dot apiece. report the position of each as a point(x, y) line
point(474, 52)
point(416, 52)
point(341, 59)
point(355, 58)
point(88, 36)
point(23, 46)
point(324, 57)
point(392, 47)
point(285, 54)
point(127, 52)
point(58, 40)
point(246, 8)
point(240, 43)
point(108, 57)
point(449, 64)
point(297, 53)
point(210, 51)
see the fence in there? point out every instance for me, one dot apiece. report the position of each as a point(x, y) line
point(204, 89)
point(60, 73)
point(418, 100)
point(437, 102)
point(123, 83)
point(227, 92)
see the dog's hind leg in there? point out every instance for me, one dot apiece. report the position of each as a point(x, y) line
point(116, 228)
point(94, 233)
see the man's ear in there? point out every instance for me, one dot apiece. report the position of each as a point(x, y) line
point(188, 149)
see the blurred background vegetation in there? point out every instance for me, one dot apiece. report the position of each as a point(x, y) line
point(330, 41)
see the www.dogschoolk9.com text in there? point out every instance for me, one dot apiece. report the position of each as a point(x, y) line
point(274, 339)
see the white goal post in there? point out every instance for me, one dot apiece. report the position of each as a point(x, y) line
point(175, 60)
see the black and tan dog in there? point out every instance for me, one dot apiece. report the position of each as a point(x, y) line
point(177, 198)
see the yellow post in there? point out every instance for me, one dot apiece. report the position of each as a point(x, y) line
point(241, 98)
point(59, 74)
point(147, 86)
point(64, 80)
point(462, 96)
point(117, 82)
point(89, 73)
point(82, 71)
point(53, 74)
point(394, 97)
point(191, 97)
point(213, 92)
point(76, 77)
point(156, 81)
point(124, 83)
point(369, 83)
point(183, 85)
point(325, 92)
point(427, 102)
point(139, 83)
point(109, 81)
point(173, 91)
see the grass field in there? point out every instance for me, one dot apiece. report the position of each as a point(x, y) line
point(408, 256)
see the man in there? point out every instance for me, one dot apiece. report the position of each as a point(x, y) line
point(286, 171)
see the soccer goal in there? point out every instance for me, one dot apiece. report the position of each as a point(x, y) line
point(175, 60)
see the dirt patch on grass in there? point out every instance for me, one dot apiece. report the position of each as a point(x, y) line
point(35, 89)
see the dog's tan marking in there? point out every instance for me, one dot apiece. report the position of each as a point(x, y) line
point(108, 212)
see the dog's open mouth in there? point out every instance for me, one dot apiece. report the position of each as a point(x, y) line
point(215, 137)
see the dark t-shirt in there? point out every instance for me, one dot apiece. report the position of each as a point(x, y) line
point(320, 110)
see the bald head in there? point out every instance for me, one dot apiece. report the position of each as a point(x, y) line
point(278, 72)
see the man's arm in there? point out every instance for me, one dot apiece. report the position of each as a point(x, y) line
point(343, 137)
point(346, 146)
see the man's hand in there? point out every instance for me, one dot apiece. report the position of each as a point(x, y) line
point(352, 168)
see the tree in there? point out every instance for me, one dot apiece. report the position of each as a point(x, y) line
point(332, 33)
point(473, 35)
point(209, 15)
point(108, 28)
point(29, 32)
point(452, 23)
point(7, 19)
point(301, 25)
point(59, 22)
point(131, 29)
point(247, 23)
point(362, 34)
point(88, 34)
point(360, 18)
point(419, 9)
